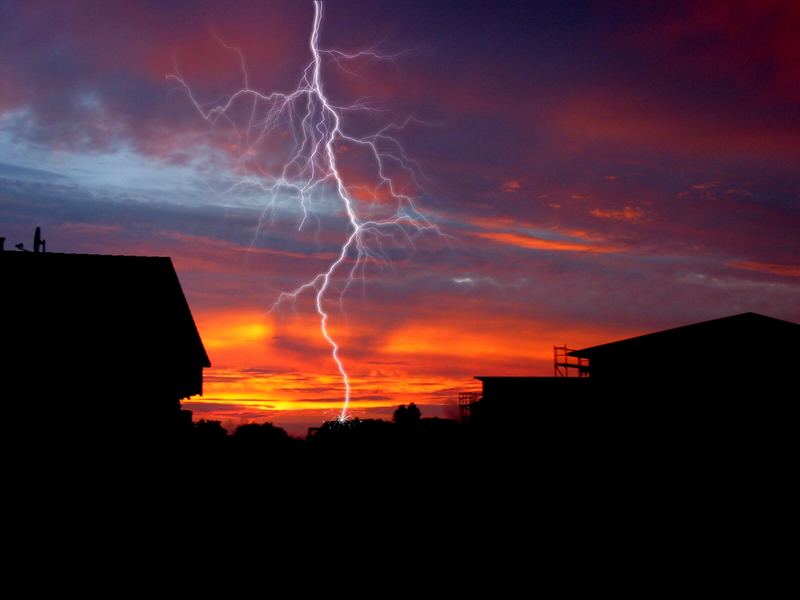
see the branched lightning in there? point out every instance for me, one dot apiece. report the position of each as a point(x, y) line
point(317, 126)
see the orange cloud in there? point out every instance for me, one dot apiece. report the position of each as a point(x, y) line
point(497, 222)
point(538, 243)
point(319, 391)
point(771, 268)
point(426, 360)
point(484, 347)
point(235, 328)
point(631, 214)
point(471, 342)
point(366, 193)
point(511, 186)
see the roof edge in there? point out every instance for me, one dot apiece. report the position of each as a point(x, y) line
point(586, 352)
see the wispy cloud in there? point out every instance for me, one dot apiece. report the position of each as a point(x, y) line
point(531, 242)
point(630, 214)
point(771, 268)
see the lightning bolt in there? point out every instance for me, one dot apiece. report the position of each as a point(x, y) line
point(317, 126)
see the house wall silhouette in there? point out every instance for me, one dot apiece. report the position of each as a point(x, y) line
point(97, 345)
point(541, 395)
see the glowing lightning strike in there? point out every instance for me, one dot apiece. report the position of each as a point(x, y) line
point(315, 124)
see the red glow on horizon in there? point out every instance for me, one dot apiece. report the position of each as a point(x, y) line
point(426, 361)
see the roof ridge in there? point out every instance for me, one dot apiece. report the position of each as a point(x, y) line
point(674, 330)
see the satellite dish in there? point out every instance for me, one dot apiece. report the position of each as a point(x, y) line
point(19, 246)
point(38, 242)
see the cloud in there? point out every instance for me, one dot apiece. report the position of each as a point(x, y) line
point(625, 119)
point(630, 214)
point(531, 242)
point(771, 268)
point(511, 186)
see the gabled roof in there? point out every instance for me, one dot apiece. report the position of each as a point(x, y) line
point(717, 332)
point(134, 305)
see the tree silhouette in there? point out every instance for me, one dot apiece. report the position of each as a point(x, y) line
point(256, 439)
point(407, 417)
point(210, 432)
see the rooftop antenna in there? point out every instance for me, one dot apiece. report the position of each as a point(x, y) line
point(38, 242)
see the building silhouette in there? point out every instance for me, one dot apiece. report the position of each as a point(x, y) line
point(707, 374)
point(96, 347)
point(739, 353)
point(527, 397)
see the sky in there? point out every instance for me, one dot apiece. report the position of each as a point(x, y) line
point(598, 170)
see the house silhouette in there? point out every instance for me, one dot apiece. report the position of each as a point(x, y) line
point(743, 353)
point(96, 347)
point(708, 375)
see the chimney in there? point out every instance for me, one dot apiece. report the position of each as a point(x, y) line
point(2, 244)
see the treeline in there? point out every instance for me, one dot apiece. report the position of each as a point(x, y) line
point(400, 453)
point(408, 431)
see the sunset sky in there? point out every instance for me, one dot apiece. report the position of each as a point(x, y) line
point(600, 170)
